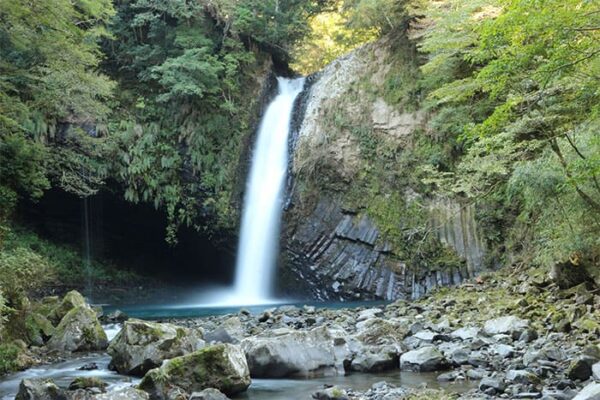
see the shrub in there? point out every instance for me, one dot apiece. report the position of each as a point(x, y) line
point(22, 271)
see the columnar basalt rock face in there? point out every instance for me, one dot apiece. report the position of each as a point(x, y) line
point(340, 249)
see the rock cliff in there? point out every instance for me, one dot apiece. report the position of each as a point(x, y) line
point(334, 246)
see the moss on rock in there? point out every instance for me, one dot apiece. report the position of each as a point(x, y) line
point(222, 366)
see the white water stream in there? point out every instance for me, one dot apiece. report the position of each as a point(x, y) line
point(263, 203)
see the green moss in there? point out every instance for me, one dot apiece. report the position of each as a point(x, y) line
point(82, 382)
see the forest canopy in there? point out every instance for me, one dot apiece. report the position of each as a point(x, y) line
point(153, 98)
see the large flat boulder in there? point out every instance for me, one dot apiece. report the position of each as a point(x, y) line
point(143, 345)
point(292, 353)
point(222, 367)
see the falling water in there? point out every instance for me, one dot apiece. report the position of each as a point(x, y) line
point(87, 249)
point(259, 236)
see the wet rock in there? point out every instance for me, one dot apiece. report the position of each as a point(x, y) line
point(79, 330)
point(39, 389)
point(143, 345)
point(332, 393)
point(221, 366)
point(449, 376)
point(376, 359)
point(424, 359)
point(88, 367)
point(590, 392)
point(505, 325)
point(292, 353)
point(208, 394)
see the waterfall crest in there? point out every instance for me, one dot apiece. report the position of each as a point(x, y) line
point(263, 202)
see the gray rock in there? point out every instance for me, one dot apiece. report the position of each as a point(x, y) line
point(143, 345)
point(332, 393)
point(496, 385)
point(79, 330)
point(466, 333)
point(475, 374)
point(425, 336)
point(376, 359)
point(506, 325)
point(522, 376)
point(208, 394)
point(292, 353)
point(39, 389)
point(596, 371)
point(590, 392)
point(369, 313)
point(423, 360)
point(503, 350)
point(229, 331)
point(124, 394)
point(221, 366)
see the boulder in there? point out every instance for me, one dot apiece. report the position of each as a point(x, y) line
point(229, 331)
point(292, 353)
point(143, 345)
point(379, 331)
point(424, 359)
point(376, 359)
point(39, 389)
point(580, 368)
point(492, 385)
point(508, 325)
point(79, 330)
point(590, 392)
point(222, 366)
point(208, 394)
point(71, 300)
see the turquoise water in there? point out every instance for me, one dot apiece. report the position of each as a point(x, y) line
point(196, 311)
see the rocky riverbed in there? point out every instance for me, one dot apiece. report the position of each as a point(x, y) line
point(504, 335)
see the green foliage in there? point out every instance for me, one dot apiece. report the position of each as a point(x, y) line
point(8, 358)
point(522, 75)
point(62, 263)
point(22, 271)
point(22, 169)
point(330, 37)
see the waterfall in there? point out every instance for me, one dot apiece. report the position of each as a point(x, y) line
point(263, 202)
